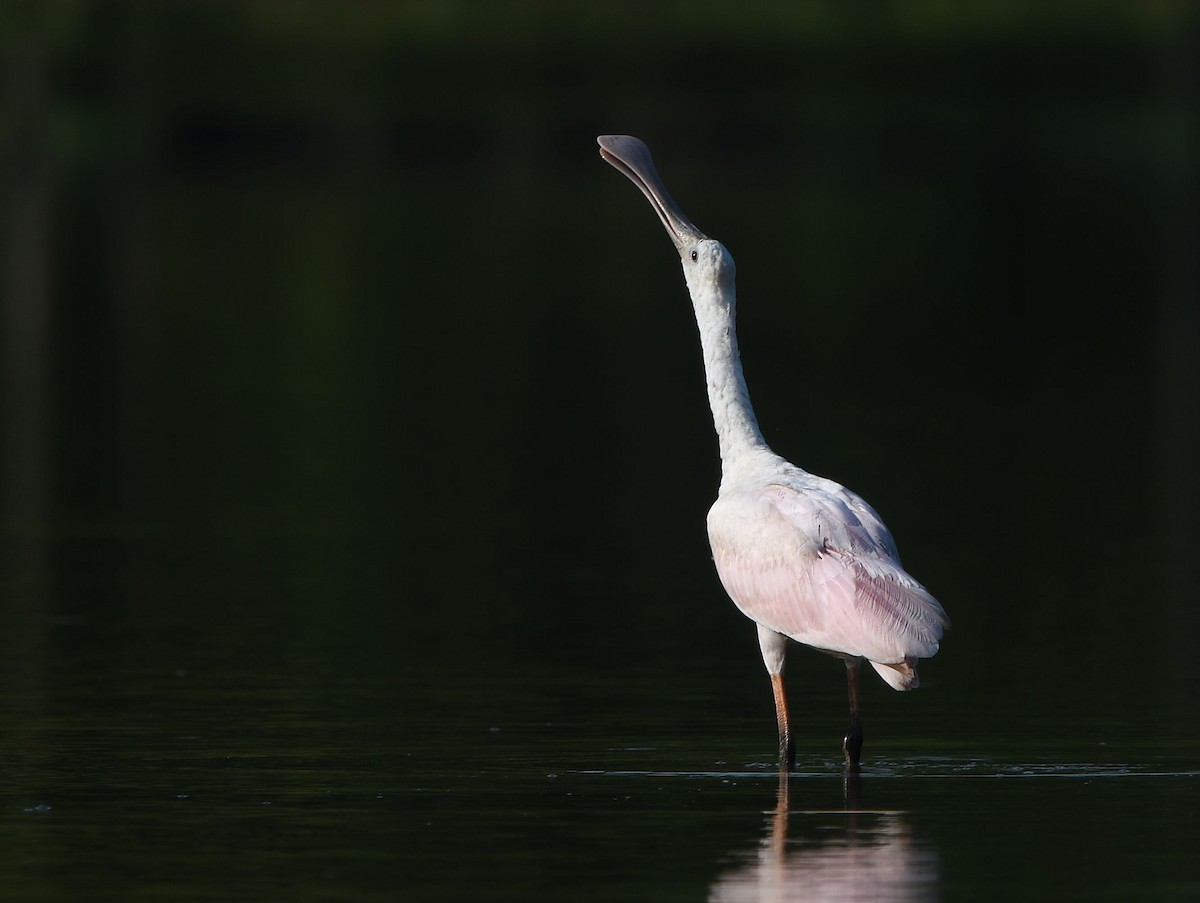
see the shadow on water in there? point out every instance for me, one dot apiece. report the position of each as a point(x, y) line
point(909, 830)
point(854, 853)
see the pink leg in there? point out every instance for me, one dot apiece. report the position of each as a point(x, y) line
point(787, 748)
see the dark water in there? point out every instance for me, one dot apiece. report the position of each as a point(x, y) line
point(355, 450)
point(203, 754)
point(233, 747)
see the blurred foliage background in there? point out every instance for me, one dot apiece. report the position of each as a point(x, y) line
point(327, 318)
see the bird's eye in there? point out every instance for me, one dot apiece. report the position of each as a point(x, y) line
point(695, 256)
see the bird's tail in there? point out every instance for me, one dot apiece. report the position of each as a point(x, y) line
point(900, 675)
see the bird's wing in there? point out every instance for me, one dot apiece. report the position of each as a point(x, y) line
point(815, 566)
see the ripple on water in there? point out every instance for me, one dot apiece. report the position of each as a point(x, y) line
point(925, 768)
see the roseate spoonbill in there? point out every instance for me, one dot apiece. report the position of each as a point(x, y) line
point(801, 556)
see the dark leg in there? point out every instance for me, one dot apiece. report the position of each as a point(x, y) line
point(852, 745)
point(787, 749)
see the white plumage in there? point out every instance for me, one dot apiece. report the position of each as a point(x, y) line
point(802, 556)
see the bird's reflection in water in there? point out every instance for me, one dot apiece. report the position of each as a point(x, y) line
point(852, 854)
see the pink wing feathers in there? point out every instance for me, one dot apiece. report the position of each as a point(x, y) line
point(817, 564)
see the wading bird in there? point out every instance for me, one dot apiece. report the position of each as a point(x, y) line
point(801, 556)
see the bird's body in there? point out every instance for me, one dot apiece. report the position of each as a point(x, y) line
point(802, 556)
point(807, 559)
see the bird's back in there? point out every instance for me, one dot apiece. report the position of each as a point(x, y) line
point(808, 558)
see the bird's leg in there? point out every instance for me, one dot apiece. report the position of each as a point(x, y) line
point(787, 748)
point(852, 745)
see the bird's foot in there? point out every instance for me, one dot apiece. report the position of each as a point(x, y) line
point(852, 745)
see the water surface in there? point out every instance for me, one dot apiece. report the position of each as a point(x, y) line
point(344, 778)
point(355, 454)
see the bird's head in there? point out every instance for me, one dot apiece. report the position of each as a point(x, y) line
point(707, 265)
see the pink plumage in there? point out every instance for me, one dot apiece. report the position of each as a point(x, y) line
point(802, 556)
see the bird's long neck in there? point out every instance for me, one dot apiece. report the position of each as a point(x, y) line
point(733, 415)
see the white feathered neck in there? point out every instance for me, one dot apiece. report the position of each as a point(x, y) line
point(710, 281)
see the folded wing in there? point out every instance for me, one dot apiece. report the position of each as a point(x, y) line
point(817, 564)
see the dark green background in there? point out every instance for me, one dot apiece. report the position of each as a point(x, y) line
point(339, 368)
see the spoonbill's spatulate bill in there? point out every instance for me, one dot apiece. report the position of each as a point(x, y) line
point(801, 556)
